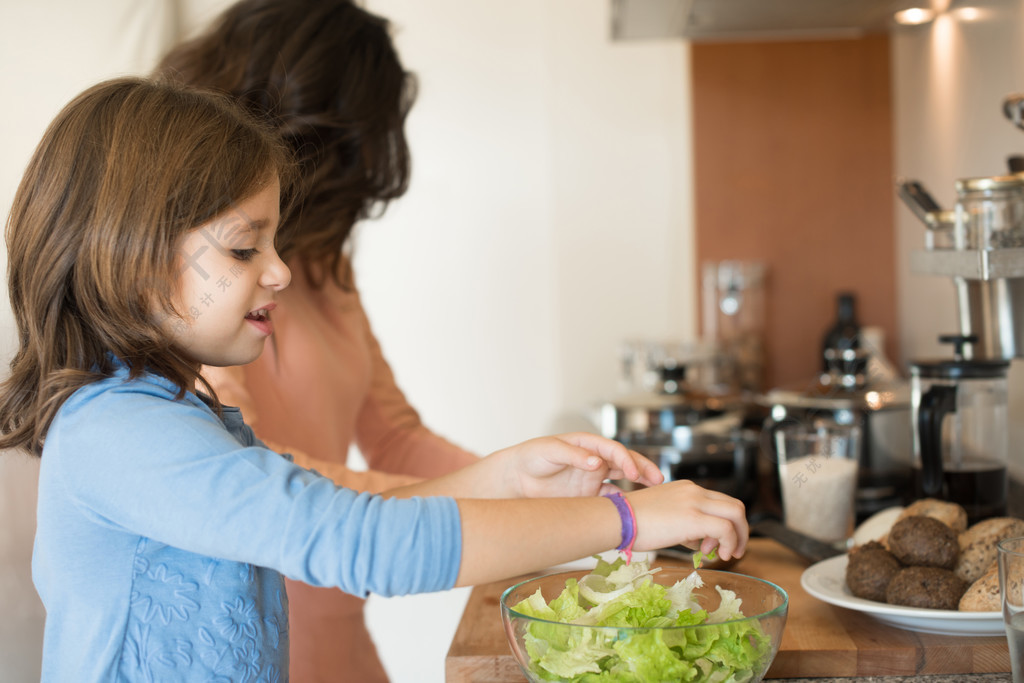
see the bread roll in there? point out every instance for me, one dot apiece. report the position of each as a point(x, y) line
point(983, 594)
point(978, 545)
point(929, 587)
point(951, 514)
point(921, 541)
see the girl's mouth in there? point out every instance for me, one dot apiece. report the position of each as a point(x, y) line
point(260, 318)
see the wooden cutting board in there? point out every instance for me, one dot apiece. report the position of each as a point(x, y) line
point(819, 640)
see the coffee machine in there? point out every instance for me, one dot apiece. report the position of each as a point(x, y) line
point(959, 404)
point(980, 246)
point(960, 430)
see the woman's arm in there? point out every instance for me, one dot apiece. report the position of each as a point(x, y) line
point(576, 464)
point(371, 481)
point(389, 432)
point(231, 388)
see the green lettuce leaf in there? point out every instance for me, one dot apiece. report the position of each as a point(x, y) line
point(699, 557)
point(617, 595)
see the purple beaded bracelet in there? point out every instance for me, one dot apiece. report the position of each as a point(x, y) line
point(628, 524)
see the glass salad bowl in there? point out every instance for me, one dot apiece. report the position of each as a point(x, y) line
point(635, 624)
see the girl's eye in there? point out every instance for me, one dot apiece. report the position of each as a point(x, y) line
point(245, 254)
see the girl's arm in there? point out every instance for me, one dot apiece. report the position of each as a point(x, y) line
point(133, 458)
point(507, 538)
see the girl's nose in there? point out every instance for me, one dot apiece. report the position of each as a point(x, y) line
point(276, 274)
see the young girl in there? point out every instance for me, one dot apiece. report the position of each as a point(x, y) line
point(324, 384)
point(140, 247)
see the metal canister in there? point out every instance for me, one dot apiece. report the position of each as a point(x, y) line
point(990, 212)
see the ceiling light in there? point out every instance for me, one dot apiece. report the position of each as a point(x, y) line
point(967, 13)
point(914, 16)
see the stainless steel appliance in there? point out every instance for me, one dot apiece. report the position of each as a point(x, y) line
point(959, 405)
point(980, 245)
point(674, 416)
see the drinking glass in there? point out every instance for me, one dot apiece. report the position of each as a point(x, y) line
point(1011, 591)
point(818, 478)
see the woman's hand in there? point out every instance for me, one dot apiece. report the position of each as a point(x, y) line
point(565, 466)
point(572, 465)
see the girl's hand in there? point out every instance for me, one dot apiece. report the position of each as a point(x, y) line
point(573, 465)
point(681, 512)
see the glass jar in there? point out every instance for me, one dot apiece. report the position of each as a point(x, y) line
point(990, 213)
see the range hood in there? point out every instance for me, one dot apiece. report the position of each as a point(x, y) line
point(710, 20)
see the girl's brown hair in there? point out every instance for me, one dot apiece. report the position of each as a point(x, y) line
point(326, 75)
point(120, 175)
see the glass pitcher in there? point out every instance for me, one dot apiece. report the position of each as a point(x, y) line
point(959, 414)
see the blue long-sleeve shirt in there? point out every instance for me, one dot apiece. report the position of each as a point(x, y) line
point(163, 532)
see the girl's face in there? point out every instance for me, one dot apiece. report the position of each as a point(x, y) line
point(229, 274)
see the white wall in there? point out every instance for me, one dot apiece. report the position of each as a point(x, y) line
point(949, 81)
point(549, 219)
point(548, 216)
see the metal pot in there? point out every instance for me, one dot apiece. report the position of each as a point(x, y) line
point(700, 439)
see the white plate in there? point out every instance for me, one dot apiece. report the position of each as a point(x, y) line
point(826, 581)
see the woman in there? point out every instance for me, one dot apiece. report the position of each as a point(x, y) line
point(326, 74)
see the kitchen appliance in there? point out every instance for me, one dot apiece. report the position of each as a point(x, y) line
point(959, 413)
point(676, 416)
point(734, 320)
point(860, 389)
point(844, 333)
point(980, 245)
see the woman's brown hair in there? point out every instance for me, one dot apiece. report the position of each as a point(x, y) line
point(120, 175)
point(325, 74)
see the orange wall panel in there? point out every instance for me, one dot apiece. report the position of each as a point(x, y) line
point(793, 168)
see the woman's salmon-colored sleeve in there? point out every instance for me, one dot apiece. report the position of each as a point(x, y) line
point(389, 432)
point(231, 389)
point(360, 480)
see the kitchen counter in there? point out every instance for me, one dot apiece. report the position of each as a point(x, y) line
point(941, 678)
point(821, 643)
